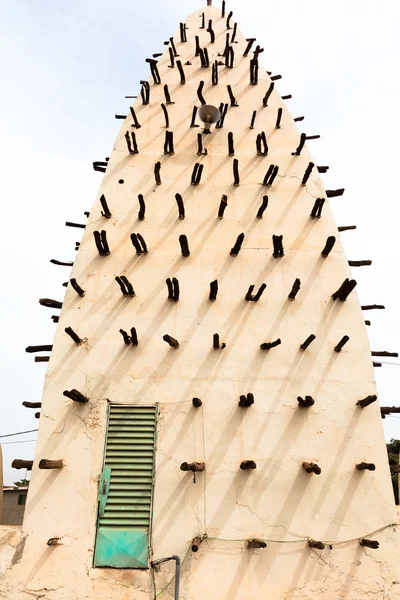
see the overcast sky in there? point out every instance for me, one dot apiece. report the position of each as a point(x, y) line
point(66, 69)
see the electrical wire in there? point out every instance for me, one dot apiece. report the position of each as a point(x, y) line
point(19, 433)
point(206, 538)
point(21, 442)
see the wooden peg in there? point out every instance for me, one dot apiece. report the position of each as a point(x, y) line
point(45, 348)
point(157, 169)
point(32, 404)
point(223, 109)
point(169, 143)
point(142, 207)
point(127, 339)
point(194, 113)
point(360, 263)
point(249, 296)
point(171, 41)
point(372, 307)
point(222, 206)
point(181, 72)
point(231, 147)
point(367, 401)
point(373, 544)
point(171, 341)
point(78, 225)
point(236, 176)
point(334, 193)
point(19, 463)
point(214, 74)
point(255, 544)
point(316, 545)
point(363, 466)
point(228, 20)
point(330, 242)
point(125, 285)
point(165, 111)
point(216, 343)
point(55, 318)
point(76, 396)
point(317, 208)
point(254, 71)
point(238, 244)
point(345, 289)
point(181, 208)
point(305, 402)
point(54, 541)
point(211, 31)
point(311, 468)
point(196, 174)
point(295, 289)
point(223, 9)
point(183, 27)
point(271, 175)
point(100, 238)
point(384, 353)
point(73, 335)
point(37, 415)
point(307, 173)
point(268, 94)
point(200, 145)
point(196, 542)
point(183, 241)
point(42, 359)
point(246, 400)
point(250, 42)
point(61, 263)
point(269, 345)
point(246, 465)
point(77, 287)
point(232, 96)
point(134, 118)
point(342, 342)
point(170, 289)
point(253, 119)
point(262, 208)
point(176, 289)
point(213, 290)
point(279, 118)
point(45, 463)
point(195, 467)
point(197, 402)
point(308, 341)
point(347, 227)
point(277, 241)
point(234, 33)
point(203, 22)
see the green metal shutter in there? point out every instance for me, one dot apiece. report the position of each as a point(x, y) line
point(126, 488)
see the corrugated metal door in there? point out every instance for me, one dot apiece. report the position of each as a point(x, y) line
point(126, 488)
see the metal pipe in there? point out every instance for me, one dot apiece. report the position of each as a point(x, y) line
point(177, 560)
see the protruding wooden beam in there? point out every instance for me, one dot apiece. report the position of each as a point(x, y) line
point(231, 145)
point(253, 119)
point(384, 353)
point(250, 42)
point(106, 211)
point(388, 410)
point(232, 96)
point(236, 176)
point(334, 193)
point(194, 467)
point(223, 109)
point(45, 463)
point(238, 244)
point(255, 544)
point(32, 404)
point(271, 175)
point(194, 113)
point(213, 290)
point(217, 345)
point(196, 543)
point(42, 358)
point(277, 241)
point(222, 206)
point(247, 465)
point(76, 396)
point(373, 544)
point(184, 244)
point(210, 30)
point(308, 341)
point(262, 208)
point(169, 143)
point(78, 225)
point(246, 401)
point(197, 402)
point(125, 285)
point(315, 544)
point(317, 208)
point(345, 289)
point(196, 174)
point(181, 208)
point(171, 341)
point(100, 238)
point(269, 345)
point(347, 227)
point(363, 466)
point(279, 118)
point(75, 285)
point(360, 263)
point(54, 541)
point(367, 401)
point(73, 335)
point(268, 94)
point(61, 263)
point(19, 463)
point(305, 402)
point(343, 341)
point(43, 348)
point(311, 468)
point(372, 307)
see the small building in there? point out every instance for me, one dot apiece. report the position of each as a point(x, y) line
point(14, 500)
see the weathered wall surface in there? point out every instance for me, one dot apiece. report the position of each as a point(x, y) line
point(277, 501)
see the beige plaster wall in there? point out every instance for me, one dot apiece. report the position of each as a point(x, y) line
point(278, 501)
